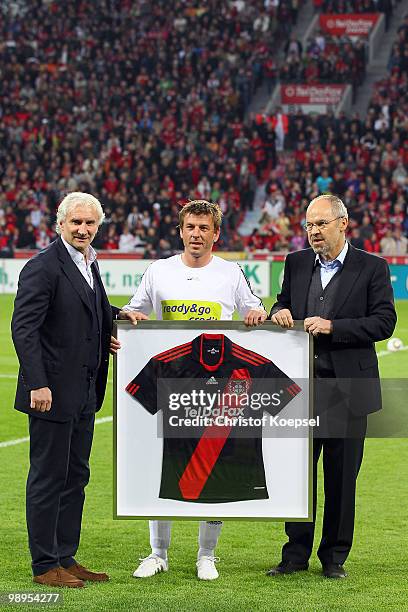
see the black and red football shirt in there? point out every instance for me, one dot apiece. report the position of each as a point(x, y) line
point(218, 463)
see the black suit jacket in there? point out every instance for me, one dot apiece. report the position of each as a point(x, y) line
point(363, 314)
point(51, 328)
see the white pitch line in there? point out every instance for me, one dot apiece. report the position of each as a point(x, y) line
point(109, 419)
point(13, 442)
point(99, 421)
point(385, 353)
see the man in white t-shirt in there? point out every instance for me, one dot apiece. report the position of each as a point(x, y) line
point(195, 285)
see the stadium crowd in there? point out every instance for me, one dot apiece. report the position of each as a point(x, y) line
point(364, 161)
point(149, 107)
point(327, 60)
point(354, 6)
point(357, 6)
point(140, 103)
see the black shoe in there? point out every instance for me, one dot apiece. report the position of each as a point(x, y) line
point(287, 567)
point(334, 570)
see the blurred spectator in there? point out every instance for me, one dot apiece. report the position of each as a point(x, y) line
point(355, 239)
point(236, 243)
point(111, 241)
point(293, 47)
point(280, 124)
point(401, 242)
point(26, 236)
point(387, 243)
point(324, 181)
point(298, 240)
point(372, 244)
point(43, 235)
point(126, 240)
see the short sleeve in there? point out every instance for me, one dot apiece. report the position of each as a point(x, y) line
point(269, 379)
point(245, 298)
point(142, 299)
point(143, 387)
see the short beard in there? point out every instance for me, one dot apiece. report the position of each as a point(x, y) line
point(322, 250)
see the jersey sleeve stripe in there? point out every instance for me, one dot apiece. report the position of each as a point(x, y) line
point(249, 285)
point(175, 349)
point(247, 359)
point(293, 390)
point(249, 352)
point(240, 352)
point(132, 388)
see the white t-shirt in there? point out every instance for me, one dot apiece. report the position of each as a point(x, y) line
point(177, 292)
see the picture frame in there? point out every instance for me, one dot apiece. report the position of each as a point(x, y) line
point(139, 445)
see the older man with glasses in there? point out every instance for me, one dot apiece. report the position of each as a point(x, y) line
point(345, 297)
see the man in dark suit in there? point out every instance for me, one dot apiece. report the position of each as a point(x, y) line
point(345, 297)
point(61, 330)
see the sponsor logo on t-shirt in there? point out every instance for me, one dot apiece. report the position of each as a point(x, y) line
point(190, 310)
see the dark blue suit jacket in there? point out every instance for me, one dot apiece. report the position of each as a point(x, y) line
point(51, 328)
point(363, 313)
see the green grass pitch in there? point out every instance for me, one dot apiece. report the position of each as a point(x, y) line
point(377, 566)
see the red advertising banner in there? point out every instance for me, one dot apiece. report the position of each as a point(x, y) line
point(312, 94)
point(352, 24)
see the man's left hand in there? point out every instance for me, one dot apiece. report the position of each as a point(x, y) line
point(114, 345)
point(317, 325)
point(255, 317)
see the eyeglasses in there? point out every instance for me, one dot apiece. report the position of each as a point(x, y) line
point(321, 225)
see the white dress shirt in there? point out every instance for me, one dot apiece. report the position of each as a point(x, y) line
point(83, 265)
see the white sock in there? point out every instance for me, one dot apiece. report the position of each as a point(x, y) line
point(208, 535)
point(160, 534)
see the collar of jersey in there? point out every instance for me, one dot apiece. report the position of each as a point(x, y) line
point(199, 343)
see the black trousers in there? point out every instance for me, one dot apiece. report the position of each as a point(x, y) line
point(58, 475)
point(342, 459)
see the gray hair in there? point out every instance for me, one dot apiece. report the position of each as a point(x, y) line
point(78, 198)
point(337, 206)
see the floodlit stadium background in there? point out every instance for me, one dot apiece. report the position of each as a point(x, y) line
point(145, 104)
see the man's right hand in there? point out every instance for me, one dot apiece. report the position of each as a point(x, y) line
point(133, 316)
point(41, 399)
point(283, 318)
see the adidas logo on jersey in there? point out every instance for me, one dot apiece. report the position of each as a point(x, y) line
point(211, 381)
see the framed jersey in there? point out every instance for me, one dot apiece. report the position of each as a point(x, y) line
point(212, 420)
